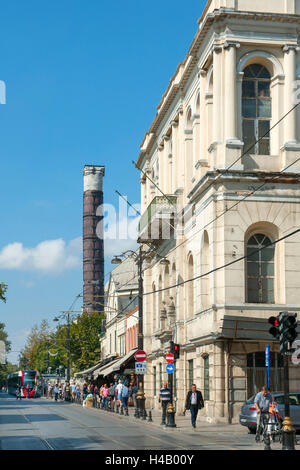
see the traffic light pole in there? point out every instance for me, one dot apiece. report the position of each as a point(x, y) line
point(171, 408)
point(140, 397)
point(288, 431)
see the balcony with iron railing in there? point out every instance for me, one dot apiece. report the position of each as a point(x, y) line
point(157, 222)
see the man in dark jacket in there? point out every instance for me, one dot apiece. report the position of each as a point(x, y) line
point(194, 403)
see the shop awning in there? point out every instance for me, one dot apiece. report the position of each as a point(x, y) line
point(115, 367)
point(102, 369)
point(88, 371)
point(245, 328)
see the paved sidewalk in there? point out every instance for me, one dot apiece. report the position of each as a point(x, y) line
point(204, 427)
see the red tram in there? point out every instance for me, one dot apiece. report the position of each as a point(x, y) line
point(23, 378)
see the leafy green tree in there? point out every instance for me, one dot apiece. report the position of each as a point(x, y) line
point(3, 289)
point(7, 368)
point(84, 340)
point(84, 345)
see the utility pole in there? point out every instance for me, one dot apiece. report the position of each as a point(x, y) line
point(140, 394)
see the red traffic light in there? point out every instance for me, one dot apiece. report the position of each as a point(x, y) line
point(273, 321)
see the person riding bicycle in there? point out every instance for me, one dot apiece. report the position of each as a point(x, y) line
point(262, 403)
point(275, 420)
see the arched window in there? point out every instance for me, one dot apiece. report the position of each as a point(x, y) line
point(256, 109)
point(260, 269)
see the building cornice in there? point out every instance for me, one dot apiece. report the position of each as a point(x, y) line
point(185, 68)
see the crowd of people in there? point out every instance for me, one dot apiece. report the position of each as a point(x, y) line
point(109, 395)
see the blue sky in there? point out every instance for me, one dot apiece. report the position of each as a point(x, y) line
point(83, 80)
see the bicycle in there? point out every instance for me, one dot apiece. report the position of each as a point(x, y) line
point(269, 428)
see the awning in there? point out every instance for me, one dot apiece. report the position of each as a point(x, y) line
point(88, 371)
point(245, 328)
point(114, 367)
point(102, 369)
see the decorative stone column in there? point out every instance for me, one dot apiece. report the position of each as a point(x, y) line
point(188, 141)
point(166, 181)
point(160, 182)
point(203, 153)
point(291, 144)
point(233, 145)
point(290, 134)
point(163, 316)
point(175, 168)
point(217, 101)
point(171, 312)
point(143, 192)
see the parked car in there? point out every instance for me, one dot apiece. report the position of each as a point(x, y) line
point(248, 412)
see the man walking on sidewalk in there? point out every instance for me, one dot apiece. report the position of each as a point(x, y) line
point(164, 397)
point(194, 403)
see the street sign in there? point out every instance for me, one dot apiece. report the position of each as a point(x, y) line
point(170, 358)
point(140, 356)
point(170, 368)
point(140, 368)
point(267, 356)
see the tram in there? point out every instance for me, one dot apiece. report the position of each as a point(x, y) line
point(23, 378)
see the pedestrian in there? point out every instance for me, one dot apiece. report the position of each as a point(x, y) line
point(56, 392)
point(134, 390)
point(274, 418)
point(111, 394)
point(262, 402)
point(18, 392)
point(28, 391)
point(164, 398)
point(124, 396)
point(78, 392)
point(73, 390)
point(84, 390)
point(194, 402)
point(105, 392)
point(67, 392)
point(118, 391)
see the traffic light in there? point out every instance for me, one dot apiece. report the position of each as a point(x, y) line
point(175, 349)
point(274, 329)
point(287, 330)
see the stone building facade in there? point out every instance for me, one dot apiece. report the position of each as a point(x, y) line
point(228, 188)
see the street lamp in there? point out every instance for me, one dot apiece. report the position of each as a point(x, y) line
point(68, 344)
point(139, 256)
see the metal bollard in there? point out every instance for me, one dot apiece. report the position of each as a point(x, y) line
point(150, 420)
point(122, 410)
point(126, 411)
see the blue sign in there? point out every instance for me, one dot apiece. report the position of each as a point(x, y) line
point(170, 368)
point(267, 353)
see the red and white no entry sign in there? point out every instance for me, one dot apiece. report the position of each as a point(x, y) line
point(140, 356)
point(170, 358)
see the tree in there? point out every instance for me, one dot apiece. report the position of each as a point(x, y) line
point(3, 289)
point(7, 368)
point(35, 355)
point(85, 344)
